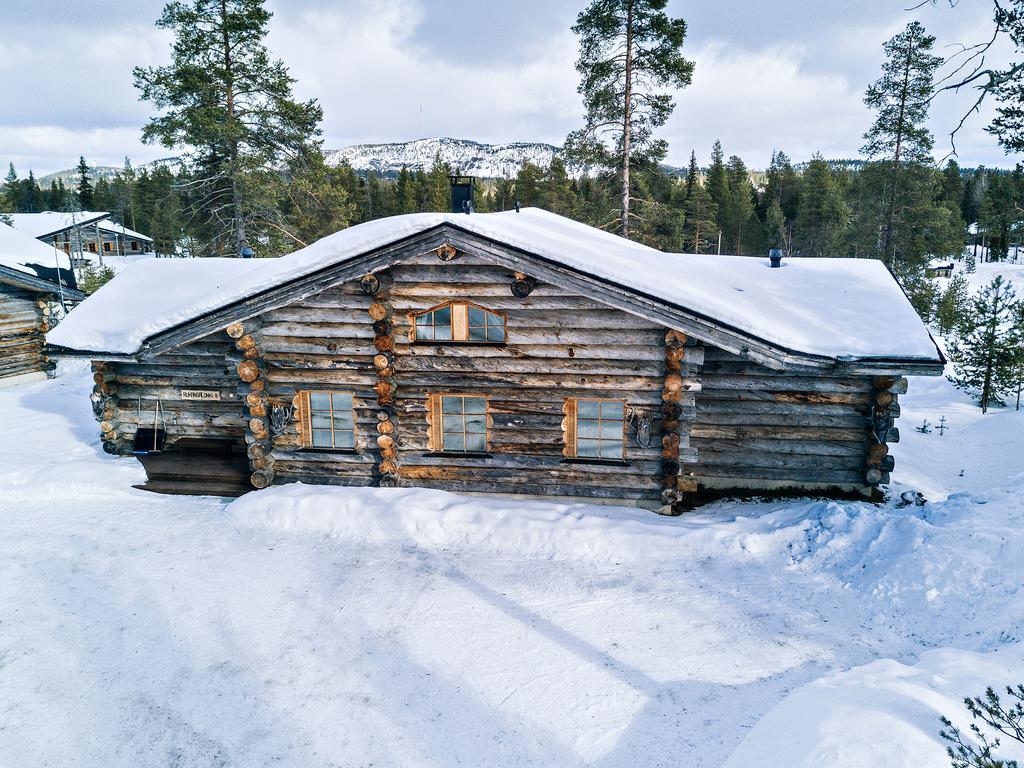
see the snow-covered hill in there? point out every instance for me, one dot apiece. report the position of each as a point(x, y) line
point(315, 626)
point(70, 175)
point(469, 157)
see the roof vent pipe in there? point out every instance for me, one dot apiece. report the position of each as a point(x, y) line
point(517, 206)
point(775, 257)
point(462, 193)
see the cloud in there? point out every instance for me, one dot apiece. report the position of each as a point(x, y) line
point(491, 72)
point(372, 76)
point(755, 101)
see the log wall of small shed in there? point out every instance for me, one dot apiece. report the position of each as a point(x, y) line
point(559, 345)
point(135, 389)
point(23, 323)
point(760, 428)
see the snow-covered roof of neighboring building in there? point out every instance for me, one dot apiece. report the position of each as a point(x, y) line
point(112, 226)
point(837, 308)
point(51, 222)
point(21, 251)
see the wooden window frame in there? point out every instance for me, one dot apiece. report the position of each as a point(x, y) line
point(570, 431)
point(306, 420)
point(435, 411)
point(459, 319)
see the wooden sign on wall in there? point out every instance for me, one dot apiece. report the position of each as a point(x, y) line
point(200, 394)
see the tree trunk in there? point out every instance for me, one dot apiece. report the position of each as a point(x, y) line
point(238, 223)
point(627, 119)
point(887, 245)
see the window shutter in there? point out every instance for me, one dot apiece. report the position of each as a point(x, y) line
point(460, 322)
point(434, 441)
point(301, 405)
point(569, 427)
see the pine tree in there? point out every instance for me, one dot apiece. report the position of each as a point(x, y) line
point(899, 140)
point(85, 188)
point(630, 53)
point(823, 212)
point(700, 227)
point(231, 106)
point(952, 306)
point(987, 346)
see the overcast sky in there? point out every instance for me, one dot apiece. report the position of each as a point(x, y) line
point(787, 75)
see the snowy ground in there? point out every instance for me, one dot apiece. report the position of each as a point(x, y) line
point(324, 627)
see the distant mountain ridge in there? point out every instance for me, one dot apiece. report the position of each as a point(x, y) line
point(472, 158)
point(70, 175)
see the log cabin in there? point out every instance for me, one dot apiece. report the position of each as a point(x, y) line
point(516, 353)
point(36, 286)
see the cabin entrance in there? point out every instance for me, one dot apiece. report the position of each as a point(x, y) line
point(198, 467)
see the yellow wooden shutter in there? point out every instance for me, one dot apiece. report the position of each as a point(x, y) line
point(434, 440)
point(569, 427)
point(460, 322)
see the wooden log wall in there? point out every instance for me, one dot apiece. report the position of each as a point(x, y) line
point(132, 391)
point(559, 345)
point(24, 321)
point(759, 428)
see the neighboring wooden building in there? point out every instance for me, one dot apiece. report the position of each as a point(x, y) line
point(939, 269)
point(514, 353)
point(85, 236)
point(36, 283)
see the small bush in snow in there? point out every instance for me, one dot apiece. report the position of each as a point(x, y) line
point(1001, 720)
point(93, 278)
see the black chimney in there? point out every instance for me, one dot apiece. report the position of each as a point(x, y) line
point(775, 257)
point(462, 194)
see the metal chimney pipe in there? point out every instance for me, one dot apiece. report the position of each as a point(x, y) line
point(775, 257)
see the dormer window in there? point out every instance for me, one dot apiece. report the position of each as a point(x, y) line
point(460, 321)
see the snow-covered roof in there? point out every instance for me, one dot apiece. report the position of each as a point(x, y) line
point(112, 226)
point(50, 222)
point(21, 251)
point(143, 293)
point(837, 308)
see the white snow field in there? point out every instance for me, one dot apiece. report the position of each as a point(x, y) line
point(305, 626)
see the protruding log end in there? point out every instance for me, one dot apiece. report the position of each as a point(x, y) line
point(248, 371)
point(523, 286)
point(369, 284)
point(873, 476)
point(446, 252)
point(261, 478)
point(109, 446)
point(235, 330)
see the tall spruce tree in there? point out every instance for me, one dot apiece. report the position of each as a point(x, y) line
point(85, 188)
point(988, 344)
point(740, 206)
point(700, 226)
point(952, 305)
point(231, 107)
point(692, 175)
point(630, 59)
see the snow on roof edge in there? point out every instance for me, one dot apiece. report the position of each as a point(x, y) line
point(802, 309)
